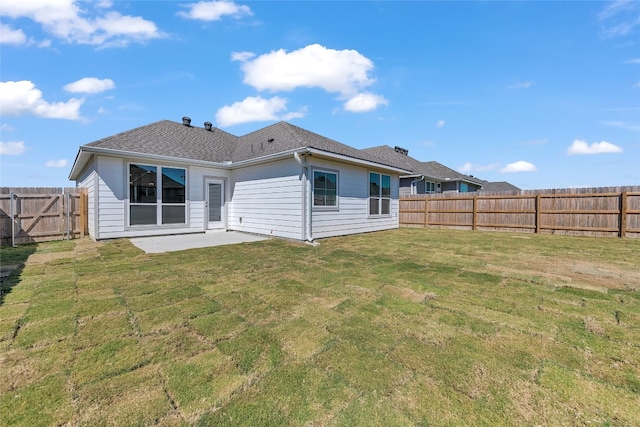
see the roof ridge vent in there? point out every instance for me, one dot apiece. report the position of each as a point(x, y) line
point(186, 121)
point(207, 126)
point(401, 150)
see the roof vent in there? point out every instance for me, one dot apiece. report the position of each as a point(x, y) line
point(207, 126)
point(186, 121)
point(401, 150)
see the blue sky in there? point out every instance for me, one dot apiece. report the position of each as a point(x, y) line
point(539, 94)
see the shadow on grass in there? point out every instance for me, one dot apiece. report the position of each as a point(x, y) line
point(12, 261)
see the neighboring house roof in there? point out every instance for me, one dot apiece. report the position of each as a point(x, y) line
point(175, 140)
point(500, 187)
point(433, 170)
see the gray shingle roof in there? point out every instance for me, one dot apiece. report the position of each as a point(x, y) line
point(167, 138)
point(285, 136)
point(172, 139)
point(499, 187)
point(432, 169)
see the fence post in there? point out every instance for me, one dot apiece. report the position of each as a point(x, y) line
point(426, 212)
point(537, 208)
point(83, 212)
point(13, 226)
point(475, 213)
point(67, 197)
point(623, 214)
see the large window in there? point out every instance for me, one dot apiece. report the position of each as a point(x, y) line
point(325, 189)
point(173, 200)
point(147, 205)
point(379, 194)
point(429, 187)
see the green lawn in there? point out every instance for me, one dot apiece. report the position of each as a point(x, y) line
point(405, 327)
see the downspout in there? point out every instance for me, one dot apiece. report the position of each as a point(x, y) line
point(413, 184)
point(307, 197)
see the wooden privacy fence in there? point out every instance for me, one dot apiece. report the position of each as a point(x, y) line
point(41, 214)
point(592, 212)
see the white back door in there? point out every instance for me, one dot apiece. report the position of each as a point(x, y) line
point(215, 204)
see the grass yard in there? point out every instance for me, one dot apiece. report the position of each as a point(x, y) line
point(405, 327)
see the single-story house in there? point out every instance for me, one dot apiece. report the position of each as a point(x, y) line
point(426, 177)
point(170, 178)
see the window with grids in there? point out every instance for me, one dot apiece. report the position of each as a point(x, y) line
point(325, 189)
point(156, 198)
point(379, 194)
point(429, 187)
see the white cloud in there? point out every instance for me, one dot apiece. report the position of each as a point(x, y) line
point(12, 148)
point(294, 114)
point(6, 127)
point(242, 56)
point(581, 147)
point(67, 20)
point(10, 36)
point(215, 10)
point(363, 102)
point(620, 18)
point(520, 85)
point(62, 163)
point(252, 109)
point(632, 61)
point(622, 125)
point(471, 167)
point(17, 98)
point(519, 166)
point(440, 123)
point(336, 71)
point(343, 72)
point(90, 85)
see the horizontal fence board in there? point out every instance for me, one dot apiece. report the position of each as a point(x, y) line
point(605, 211)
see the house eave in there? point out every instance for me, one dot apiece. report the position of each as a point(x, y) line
point(361, 162)
point(86, 152)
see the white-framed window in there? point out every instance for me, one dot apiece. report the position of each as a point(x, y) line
point(429, 187)
point(156, 195)
point(325, 189)
point(379, 194)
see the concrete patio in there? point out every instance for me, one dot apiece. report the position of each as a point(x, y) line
point(180, 242)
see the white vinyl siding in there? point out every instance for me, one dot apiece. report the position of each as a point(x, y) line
point(352, 216)
point(111, 193)
point(267, 199)
point(110, 187)
point(197, 194)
